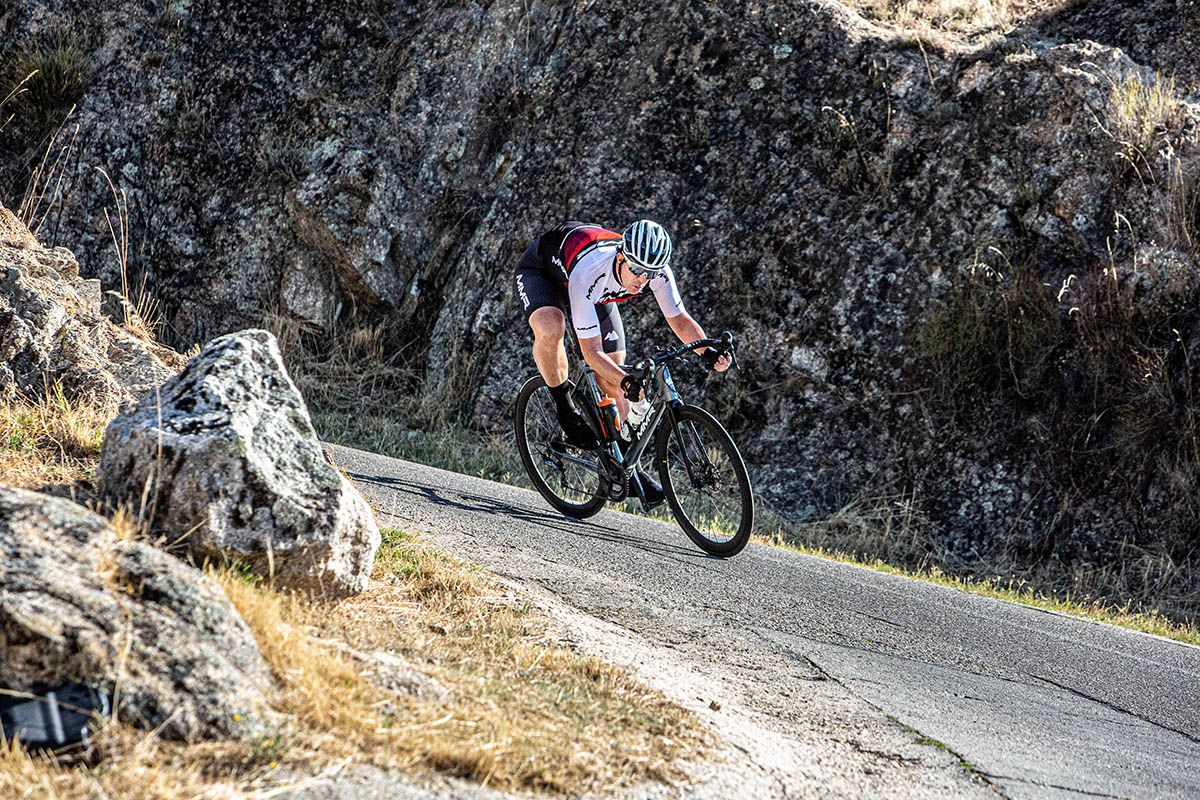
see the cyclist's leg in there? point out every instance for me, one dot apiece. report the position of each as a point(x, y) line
point(612, 333)
point(544, 306)
point(542, 303)
point(549, 354)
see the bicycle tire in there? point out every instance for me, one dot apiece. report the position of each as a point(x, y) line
point(699, 530)
point(521, 427)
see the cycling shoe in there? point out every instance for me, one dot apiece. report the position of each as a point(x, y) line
point(576, 431)
point(651, 488)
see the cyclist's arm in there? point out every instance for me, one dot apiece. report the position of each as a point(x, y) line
point(688, 330)
point(587, 329)
point(607, 370)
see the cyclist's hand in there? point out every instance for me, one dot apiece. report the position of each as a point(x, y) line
point(715, 360)
point(631, 387)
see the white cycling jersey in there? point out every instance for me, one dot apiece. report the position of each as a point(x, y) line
point(593, 280)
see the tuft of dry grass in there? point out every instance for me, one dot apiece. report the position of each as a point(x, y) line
point(1183, 208)
point(49, 440)
point(141, 315)
point(1138, 112)
point(947, 23)
point(518, 712)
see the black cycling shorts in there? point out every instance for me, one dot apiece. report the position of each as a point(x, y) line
point(537, 287)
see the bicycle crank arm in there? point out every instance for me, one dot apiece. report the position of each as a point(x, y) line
point(641, 491)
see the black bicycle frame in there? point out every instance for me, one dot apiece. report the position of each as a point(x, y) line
point(668, 399)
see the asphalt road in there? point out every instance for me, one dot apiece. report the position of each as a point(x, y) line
point(1041, 704)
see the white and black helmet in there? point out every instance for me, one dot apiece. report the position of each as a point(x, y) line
point(647, 244)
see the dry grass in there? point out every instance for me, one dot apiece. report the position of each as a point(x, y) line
point(123, 763)
point(948, 23)
point(347, 370)
point(141, 316)
point(520, 711)
point(359, 397)
point(452, 446)
point(50, 440)
point(1183, 209)
point(1138, 112)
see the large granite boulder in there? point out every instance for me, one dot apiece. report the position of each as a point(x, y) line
point(52, 329)
point(225, 453)
point(79, 603)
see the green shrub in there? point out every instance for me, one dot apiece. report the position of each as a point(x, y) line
point(1095, 377)
point(42, 80)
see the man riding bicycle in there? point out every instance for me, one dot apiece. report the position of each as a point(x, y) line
point(588, 268)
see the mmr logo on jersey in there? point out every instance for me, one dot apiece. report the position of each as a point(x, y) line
point(521, 291)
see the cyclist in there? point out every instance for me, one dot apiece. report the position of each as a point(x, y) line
point(588, 269)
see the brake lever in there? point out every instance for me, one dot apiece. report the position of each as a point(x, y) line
point(730, 349)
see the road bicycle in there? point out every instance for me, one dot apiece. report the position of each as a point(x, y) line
point(702, 472)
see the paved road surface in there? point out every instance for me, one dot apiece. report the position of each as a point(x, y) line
point(1042, 705)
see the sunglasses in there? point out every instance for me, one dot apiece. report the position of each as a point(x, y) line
point(639, 270)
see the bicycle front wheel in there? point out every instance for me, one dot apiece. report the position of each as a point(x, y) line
point(567, 477)
point(705, 481)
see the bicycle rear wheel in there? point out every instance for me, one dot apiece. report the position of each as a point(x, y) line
point(567, 477)
point(705, 481)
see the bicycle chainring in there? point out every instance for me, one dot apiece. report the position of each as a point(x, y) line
point(615, 480)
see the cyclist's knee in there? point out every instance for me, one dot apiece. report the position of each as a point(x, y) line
point(608, 387)
point(547, 323)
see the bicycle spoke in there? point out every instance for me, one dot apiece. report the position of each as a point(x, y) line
point(573, 482)
point(705, 483)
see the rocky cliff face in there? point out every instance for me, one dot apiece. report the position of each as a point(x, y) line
point(868, 211)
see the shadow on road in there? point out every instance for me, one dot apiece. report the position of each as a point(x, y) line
point(464, 501)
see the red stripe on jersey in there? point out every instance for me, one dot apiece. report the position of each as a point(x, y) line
point(620, 299)
point(574, 244)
